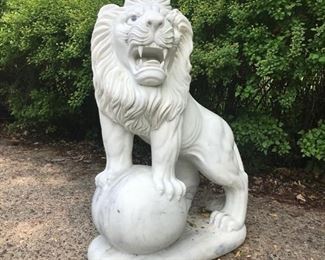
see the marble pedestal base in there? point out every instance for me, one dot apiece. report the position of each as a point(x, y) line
point(200, 241)
point(202, 245)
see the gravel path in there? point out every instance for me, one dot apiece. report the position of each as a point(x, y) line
point(45, 199)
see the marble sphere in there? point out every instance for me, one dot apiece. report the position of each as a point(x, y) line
point(138, 220)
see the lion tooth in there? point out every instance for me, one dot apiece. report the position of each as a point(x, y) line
point(165, 53)
point(154, 45)
point(162, 64)
point(140, 49)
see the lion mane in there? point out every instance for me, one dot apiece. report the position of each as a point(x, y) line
point(139, 109)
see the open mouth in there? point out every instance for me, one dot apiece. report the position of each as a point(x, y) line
point(149, 64)
point(151, 56)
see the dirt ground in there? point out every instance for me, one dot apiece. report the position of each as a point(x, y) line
point(46, 190)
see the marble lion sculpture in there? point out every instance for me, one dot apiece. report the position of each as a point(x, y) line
point(141, 66)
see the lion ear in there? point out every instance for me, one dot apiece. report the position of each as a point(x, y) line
point(108, 9)
point(180, 22)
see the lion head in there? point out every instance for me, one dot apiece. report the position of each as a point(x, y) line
point(141, 63)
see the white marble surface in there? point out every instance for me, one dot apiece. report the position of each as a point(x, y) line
point(132, 215)
point(141, 65)
point(200, 241)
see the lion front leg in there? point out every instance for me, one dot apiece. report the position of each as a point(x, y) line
point(118, 144)
point(165, 147)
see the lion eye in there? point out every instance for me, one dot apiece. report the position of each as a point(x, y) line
point(132, 19)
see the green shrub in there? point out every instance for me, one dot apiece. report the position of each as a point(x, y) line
point(45, 60)
point(263, 133)
point(312, 142)
point(260, 64)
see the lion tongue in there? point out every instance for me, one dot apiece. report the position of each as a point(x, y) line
point(151, 63)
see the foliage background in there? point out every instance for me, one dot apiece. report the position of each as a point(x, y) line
point(259, 64)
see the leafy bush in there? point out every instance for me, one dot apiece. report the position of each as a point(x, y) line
point(260, 65)
point(45, 61)
point(312, 142)
point(262, 132)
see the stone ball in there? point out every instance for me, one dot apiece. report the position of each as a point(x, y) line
point(135, 218)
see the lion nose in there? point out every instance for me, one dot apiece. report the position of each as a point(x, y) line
point(154, 21)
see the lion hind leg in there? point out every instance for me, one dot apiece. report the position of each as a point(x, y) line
point(237, 194)
point(236, 201)
point(235, 183)
point(233, 214)
point(189, 175)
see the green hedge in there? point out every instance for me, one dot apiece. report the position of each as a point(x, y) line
point(45, 63)
point(258, 63)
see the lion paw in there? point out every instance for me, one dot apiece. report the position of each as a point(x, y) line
point(171, 187)
point(224, 221)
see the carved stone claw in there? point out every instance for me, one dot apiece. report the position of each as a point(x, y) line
point(171, 187)
point(224, 221)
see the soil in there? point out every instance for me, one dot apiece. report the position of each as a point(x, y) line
point(46, 191)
